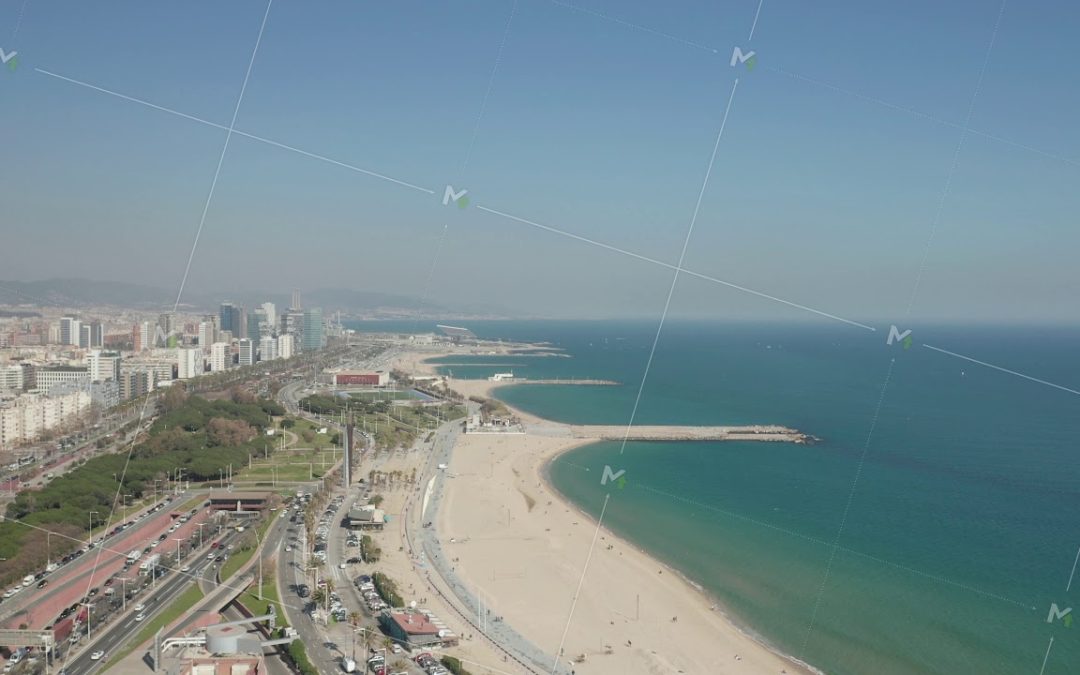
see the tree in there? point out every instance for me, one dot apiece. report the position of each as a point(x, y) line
point(174, 398)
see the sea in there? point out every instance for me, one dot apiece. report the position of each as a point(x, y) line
point(934, 527)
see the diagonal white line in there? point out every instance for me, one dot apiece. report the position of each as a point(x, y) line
point(1071, 574)
point(331, 161)
point(756, 15)
point(634, 26)
point(661, 263)
point(1047, 655)
point(132, 99)
point(847, 506)
point(577, 592)
point(221, 158)
point(955, 162)
point(236, 132)
point(1004, 370)
point(678, 267)
point(490, 84)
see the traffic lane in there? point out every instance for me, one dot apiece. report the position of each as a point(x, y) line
point(75, 582)
point(115, 635)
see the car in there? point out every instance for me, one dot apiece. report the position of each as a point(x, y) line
point(341, 566)
point(218, 559)
point(185, 568)
point(209, 556)
point(288, 548)
point(140, 616)
point(43, 583)
point(97, 656)
point(140, 607)
point(108, 582)
point(353, 561)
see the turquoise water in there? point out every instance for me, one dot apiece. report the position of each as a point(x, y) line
point(963, 525)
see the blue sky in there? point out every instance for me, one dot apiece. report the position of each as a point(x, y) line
point(840, 178)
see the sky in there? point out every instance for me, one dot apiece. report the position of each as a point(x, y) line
point(879, 160)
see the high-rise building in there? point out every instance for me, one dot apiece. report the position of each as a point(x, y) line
point(292, 323)
point(207, 335)
point(97, 335)
point(135, 383)
point(313, 330)
point(295, 306)
point(285, 346)
point(267, 348)
point(11, 378)
point(189, 362)
point(255, 326)
point(167, 323)
point(270, 310)
point(247, 352)
point(103, 366)
point(229, 318)
point(69, 330)
point(142, 336)
point(220, 356)
point(84, 335)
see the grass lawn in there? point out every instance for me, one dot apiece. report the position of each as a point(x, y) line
point(250, 599)
point(239, 558)
point(175, 610)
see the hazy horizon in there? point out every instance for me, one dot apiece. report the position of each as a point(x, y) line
point(858, 174)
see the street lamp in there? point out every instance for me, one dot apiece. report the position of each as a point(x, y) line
point(201, 526)
point(91, 538)
point(177, 540)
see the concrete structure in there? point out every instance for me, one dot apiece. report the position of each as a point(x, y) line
point(314, 337)
point(103, 366)
point(220, 356)
point(286, 346)
point(189, 363)
point(47, 378)
point(12, 378)
point(270, 310)
point(365, 518)
point(135, 383)
point(267, 348)
point(362, 378)
point(247, 352)
point(69, 330)
point(29, 415)
point(239, 502)
point(416, 629)
point(207, 335)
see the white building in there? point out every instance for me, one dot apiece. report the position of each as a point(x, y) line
point(70, 327)
point(247, 352)
point(103, 366)
point(188, 362)
point(271, 313)
point(50, 377)
point(206, 335)
point(12, 378)
point(267, 349)
point(29, 415)
point(220, 356)
point(285, 346)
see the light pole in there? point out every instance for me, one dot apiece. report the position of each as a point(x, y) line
point(48, 549)
point(201, 526)
point(177, 540)
point(91, 538)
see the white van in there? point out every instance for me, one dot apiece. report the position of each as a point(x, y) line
point(348, 665)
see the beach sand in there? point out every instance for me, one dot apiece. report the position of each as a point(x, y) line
point(524, 547)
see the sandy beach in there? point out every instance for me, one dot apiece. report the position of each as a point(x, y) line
point(523, 547)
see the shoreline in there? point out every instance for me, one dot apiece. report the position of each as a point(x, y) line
point(533, 454)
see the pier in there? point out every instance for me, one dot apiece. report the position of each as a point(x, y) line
point(687, 433)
